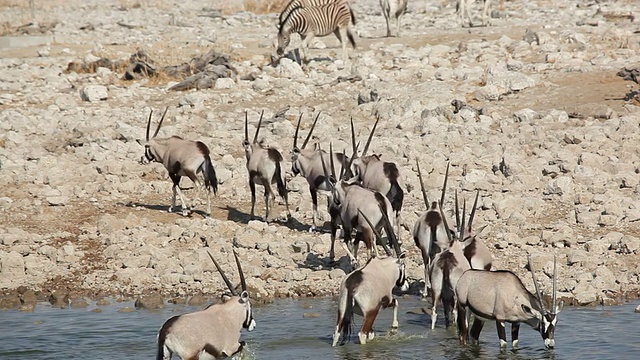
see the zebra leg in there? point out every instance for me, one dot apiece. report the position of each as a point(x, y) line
point(343, 37)
point(305, 45)
point(486, 18)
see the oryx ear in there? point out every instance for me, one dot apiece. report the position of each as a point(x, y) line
point(139, 141)
point(244, 297)
point(559, 307)
point(277, 26)
point(225, 297)
point(529, 311)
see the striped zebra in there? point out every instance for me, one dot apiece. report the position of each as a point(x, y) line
point(319, 21)
point(303, 4)
point(393, 10)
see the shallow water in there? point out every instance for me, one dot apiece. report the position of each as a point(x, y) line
point(283, 333)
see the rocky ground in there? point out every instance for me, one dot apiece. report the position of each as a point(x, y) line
point(549, 135)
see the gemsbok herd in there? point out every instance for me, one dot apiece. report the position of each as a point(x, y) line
point(364, 197)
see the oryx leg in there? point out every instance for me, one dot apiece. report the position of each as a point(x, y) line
point(501, 333)
point(427, 280)
point(334, 230)
point(252, 186)
point(314, 200)
point(515, 328)
point(366, 333)
point(394, 322)
point(268, 199)
point(463, 324)
point(197, 184)
point(476, 328)
point(398, 25)
point(436, 294)
point(176, 189)
point(486, 19)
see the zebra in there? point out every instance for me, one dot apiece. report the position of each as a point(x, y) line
point(318, 21)
point(303, 4)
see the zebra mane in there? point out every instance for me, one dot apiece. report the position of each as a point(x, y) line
point(294, 9)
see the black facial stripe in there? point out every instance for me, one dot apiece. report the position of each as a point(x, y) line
point(148, 154)
point(247, 319)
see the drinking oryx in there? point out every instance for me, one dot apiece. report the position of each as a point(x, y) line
point(368, 289)
point(446, 269)
point(210, 333)
point(475, 250)
point(265, 168)
point(392, 11)
point(307, 163)
point(378, 175)
point(429, 232)
point(501, 296)
point(181, 158)
point(349, 202)
point(310, 22)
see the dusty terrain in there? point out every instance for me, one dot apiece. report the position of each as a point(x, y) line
point(80, 218)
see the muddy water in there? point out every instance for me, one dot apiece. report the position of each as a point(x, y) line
point(302, 329)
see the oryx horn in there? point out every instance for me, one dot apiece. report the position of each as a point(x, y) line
point(555, 280)
point(473, 210)
point(535, 283)
point(246, 126)
point(306, 140)
point(333, 169)
point(353, 139)
point(444, 185)
point(255, 137)
point(324, 168)
point(424, 192)
point(243, 282)
point(464, 214)
point(160, 123)
point(366, 146)
point(295, 137)
point(149, 125)
point(224, 277)
point(444, 222)
point(455, 194)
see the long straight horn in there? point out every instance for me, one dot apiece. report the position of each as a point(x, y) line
point(535, 283)
point(464, 213)
point(161, 120)
point(457, 208)
point(224, 277)
point(353, 140)
point(246, 126)
point(366, 146)
point(255, 137)
point(295, 137)
point(348, 167)
point(304, 144)
point(444, 222)
point(243, 282)
point(473, 210)
point(555, 281)
point(333, 168)
point(424, 192)
point(444, 185)
point(393, 239)
point(148, 125)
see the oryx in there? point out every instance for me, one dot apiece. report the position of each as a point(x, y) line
point(181, 158)
point(307, 162)
point(378, 175)
point(349, 202)
point(265, 168)
point(429, 232)
point(447, 267)
point(210, 333)
point(475, 250)
point(501, 296)
point(368, 289)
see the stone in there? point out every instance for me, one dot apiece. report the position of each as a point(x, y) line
point(93, 93)
point(151, 301)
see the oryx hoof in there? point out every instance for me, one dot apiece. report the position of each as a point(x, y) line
point(170, 210)
point(363, 338)
point(371, 335)
point(186, 212)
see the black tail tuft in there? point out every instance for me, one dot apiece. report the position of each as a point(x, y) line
point(282, 187)
point(346, 323)
point(352, 40)
point(210, 178)
point(353, 16)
